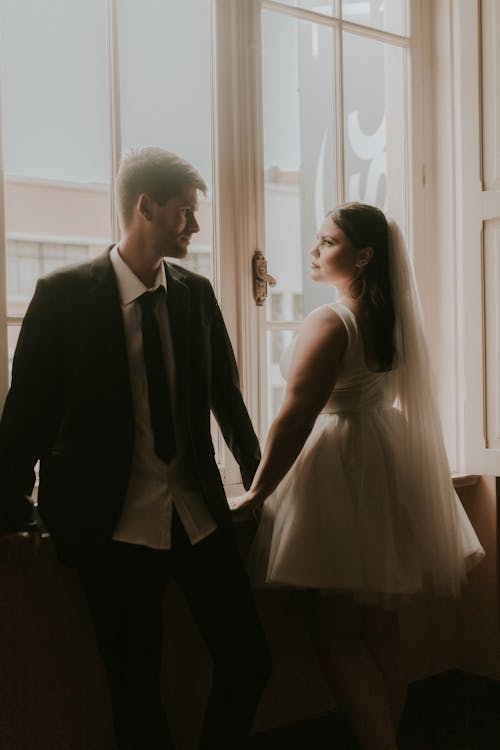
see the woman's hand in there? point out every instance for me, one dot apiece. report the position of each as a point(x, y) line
point(246, 505)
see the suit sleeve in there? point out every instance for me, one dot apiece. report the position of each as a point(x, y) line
point(30, 407)
point(227, 402)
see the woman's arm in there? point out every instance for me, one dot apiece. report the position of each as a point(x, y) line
point(319, 349)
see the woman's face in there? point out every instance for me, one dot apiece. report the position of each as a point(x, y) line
point(334, 256)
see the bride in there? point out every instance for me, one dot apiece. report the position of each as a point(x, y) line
point(366, 516)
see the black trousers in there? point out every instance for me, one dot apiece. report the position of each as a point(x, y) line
point(124, 585)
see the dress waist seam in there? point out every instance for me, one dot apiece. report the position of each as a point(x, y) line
point(356, 410)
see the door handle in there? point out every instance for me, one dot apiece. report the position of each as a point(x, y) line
point(261, 278)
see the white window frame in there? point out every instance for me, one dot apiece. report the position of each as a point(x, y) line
point(477, 139)
point(451, 266)
point(239, 188)
point(4, 321)
point(241, 172)
point(434, 246)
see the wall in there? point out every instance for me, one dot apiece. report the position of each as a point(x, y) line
point(52, 688)
point(479, 609)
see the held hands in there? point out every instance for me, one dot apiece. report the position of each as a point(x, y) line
point(20, 548)
point(246, 505)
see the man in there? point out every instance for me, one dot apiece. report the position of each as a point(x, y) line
point(118, 365)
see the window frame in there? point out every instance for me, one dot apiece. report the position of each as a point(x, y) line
point(239, 173)
point(451, 265)
point(239, 183)
point(476, 205)
point(246, 157)
point(4, 320)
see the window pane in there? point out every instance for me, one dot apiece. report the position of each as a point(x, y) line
point(375, 125)
point(388, 15)
point(326, 7)
point(56, 131)
point(278, 347)
point(12, 336)
point(27, 261)
point(298, 155)
point(165, 97)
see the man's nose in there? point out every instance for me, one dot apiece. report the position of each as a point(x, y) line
point(315, 251)
point(193, 225)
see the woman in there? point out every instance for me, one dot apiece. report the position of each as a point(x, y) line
point(366, 516)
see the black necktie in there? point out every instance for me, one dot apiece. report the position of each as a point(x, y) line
point(159, 396)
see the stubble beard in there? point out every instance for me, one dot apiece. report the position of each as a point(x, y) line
point(177, 249)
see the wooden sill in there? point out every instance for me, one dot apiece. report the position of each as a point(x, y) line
point(465, 480)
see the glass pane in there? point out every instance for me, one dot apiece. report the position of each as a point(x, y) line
point(388, 15)
point(165, 97)
point(56, 137)
point(375, 125)
point(12, 336)
point(326, 7)
point(298, 156)
point(278, 346)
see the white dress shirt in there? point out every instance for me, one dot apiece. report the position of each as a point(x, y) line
point(154, 487)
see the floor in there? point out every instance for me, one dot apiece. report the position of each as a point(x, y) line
point(452, 711)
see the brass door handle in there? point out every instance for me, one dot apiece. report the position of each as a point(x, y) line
point(261, 278)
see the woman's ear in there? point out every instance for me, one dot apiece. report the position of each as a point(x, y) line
point(364, 257)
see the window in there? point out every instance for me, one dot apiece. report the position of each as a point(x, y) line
point(62, 92)
point(77, 73)
point(335, 127)
point(276, 301)
point(471, 245)
point(55, 125)
point(199, 261)
point(279, 342)
point(27, 260)
point(286, 108)
point(163, 77)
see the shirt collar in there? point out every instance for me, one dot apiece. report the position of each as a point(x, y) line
point(130, 286)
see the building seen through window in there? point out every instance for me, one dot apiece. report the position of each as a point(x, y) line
point(27, 260)
point(56, 103)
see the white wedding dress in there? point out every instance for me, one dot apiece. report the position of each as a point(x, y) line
point(350, 515)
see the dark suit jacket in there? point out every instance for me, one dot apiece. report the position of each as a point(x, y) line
point(70, 404)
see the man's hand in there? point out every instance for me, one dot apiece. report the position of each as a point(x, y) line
point(20, 548)
point(246, 506)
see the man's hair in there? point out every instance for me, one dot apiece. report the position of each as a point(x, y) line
point(156, 172)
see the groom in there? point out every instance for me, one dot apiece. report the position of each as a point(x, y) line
point(118, 365)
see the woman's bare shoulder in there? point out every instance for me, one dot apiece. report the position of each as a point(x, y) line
point(324, 327)
point(325, 319)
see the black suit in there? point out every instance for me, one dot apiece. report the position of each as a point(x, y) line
point(70, 407)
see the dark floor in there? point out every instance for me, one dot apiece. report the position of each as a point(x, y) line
point(452, 711)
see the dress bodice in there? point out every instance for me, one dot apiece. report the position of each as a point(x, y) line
point(357, 388)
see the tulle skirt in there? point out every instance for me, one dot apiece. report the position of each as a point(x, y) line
point(348, 517)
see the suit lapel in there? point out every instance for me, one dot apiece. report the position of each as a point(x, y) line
point(105, 307)
point(179, 314)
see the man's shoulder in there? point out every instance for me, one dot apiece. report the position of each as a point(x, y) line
point(77, 273)
point(191, 278)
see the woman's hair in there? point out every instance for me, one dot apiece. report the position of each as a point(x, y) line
point(366, 226)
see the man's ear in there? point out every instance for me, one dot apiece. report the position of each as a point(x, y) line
point(364, 257)
point(145, 206)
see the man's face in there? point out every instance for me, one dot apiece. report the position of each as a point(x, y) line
point(175, 222)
